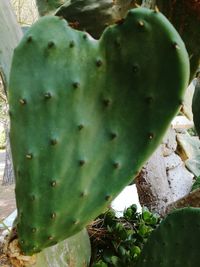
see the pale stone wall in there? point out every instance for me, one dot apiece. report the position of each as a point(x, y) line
point(26, 11)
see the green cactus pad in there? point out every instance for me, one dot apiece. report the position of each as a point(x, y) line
point(175, 243)
point(86, 115)
point(196, 108)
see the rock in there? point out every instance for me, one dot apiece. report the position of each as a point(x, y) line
point(180, 181)
point(172, 161)
point(169, 143)
point(152, 183)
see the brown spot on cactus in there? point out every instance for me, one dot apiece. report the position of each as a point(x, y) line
point(120, 21)
point(74, 24)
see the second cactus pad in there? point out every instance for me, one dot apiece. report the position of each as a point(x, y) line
point(86, 115)
point(196, 108)
point(175, 243)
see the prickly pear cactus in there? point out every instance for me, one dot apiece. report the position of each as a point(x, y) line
point(196, 108)
point(170, 245)
point(86, 115)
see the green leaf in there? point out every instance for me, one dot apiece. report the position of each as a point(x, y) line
point(196, 184)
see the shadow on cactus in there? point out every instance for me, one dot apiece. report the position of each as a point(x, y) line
point(86, 115)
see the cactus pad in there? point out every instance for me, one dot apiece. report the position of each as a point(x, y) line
point(196, 108)
point(175, 243)
point(86, 115)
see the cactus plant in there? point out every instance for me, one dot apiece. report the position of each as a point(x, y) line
point(169, 245)
point(196, 108)
point(77, 107)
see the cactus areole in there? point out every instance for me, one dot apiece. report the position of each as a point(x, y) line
point(86, 115)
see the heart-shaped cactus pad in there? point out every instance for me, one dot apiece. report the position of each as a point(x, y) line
point(86, 115)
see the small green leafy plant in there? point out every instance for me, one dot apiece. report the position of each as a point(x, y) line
point(196, 184)
point(119, 241)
